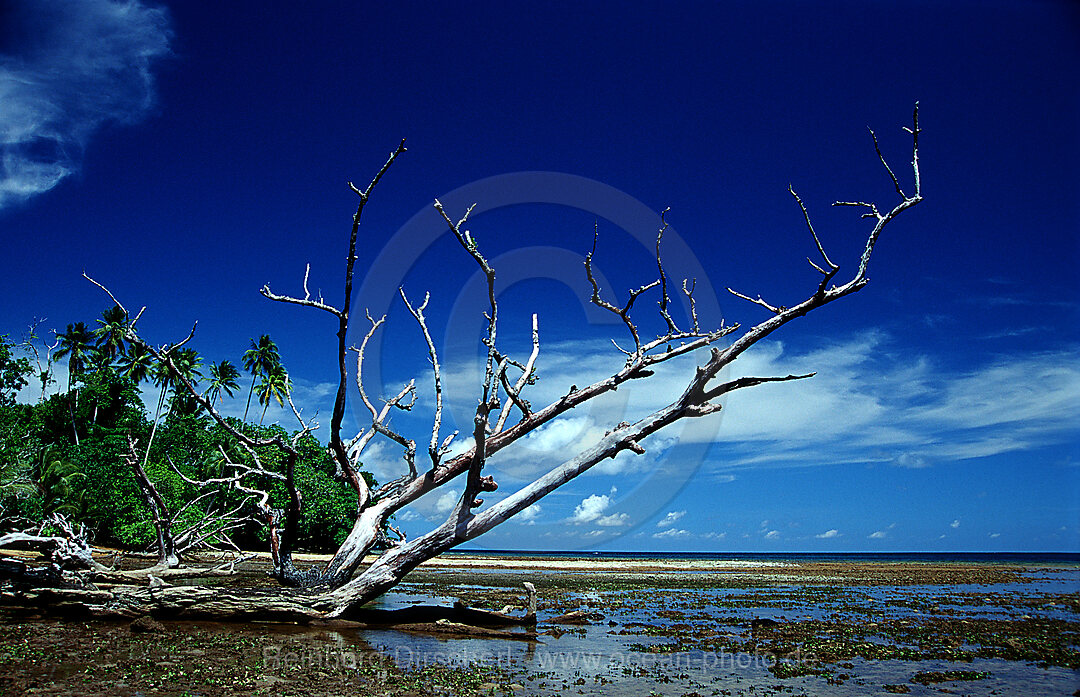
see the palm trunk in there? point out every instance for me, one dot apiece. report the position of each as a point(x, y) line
point(250, 391)
point(153, 429)
point(72, 408)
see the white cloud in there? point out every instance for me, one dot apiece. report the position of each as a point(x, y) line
point(433, 506)
point(446, 502)
point(591, 508)
point(911, 414)
point(670, 519)
point(828, 534)
point(77, 66)
point(995, 534)
point(880, 534)
point(529, 515)
point(671, 533)
point(955, 524)
point(385, 460)
point(614, 520)
point(772, 535)
point(910, 461)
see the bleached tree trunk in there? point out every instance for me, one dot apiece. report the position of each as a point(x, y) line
point(342, 586)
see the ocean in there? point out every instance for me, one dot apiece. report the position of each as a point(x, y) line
point(928, 557)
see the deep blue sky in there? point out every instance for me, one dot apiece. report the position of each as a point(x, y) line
point(186, 153)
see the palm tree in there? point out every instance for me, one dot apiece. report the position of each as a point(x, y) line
point(187, 362)
point(76, 343)
point(111, 335)
point(275, 385)
point(260, 359)
point(136, 363)
point(223, 378)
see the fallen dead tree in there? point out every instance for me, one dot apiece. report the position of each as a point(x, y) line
point(503, 416)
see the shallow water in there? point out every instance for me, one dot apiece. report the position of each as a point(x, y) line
point(644, 645)
point(652, 636)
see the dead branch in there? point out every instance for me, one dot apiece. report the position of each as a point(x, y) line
point(352, 587)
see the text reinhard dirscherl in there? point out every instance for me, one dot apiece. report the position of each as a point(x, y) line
point(280, 658)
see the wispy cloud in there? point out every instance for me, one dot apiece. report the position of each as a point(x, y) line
point(912, 413)
point(73, 68)
point(529, 515)
point(828, 534)
point(881, 534)
point(873, 400)
point(670, 519)
point(671, 533)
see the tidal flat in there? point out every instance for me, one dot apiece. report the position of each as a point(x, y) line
point(610, 626)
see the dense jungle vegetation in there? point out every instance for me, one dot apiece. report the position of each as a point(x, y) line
point(67, 451)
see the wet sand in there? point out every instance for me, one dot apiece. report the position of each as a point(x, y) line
point(678, 627)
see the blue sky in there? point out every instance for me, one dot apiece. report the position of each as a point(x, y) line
point(185, 154)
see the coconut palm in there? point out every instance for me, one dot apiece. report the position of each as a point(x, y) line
point(187, 362)
point(275, 386)
point(136, 363)
point(76, 342)
point(260, 359)
point(223, 378)
point(111, 334)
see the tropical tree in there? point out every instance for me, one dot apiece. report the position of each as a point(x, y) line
point(275, 386)
point(13, 372)
point(260, 359)
point(223, 378)
point(15, 480)
point(166, 375)
point(136, 363)
point(77, 344)
point(43, 356)
point(185, 364)
point(60, 483)
point(111, 334)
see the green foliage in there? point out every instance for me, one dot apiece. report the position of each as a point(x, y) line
point(13, 372)
point(275, 386)
point(260, 359)
point(61, 485)
point(223, 378)
point(111, 335)
point(77, 344)
point(68, 453)
point(329, 505)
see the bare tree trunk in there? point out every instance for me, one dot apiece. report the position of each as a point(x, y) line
point(342, 587)
point(159, 511)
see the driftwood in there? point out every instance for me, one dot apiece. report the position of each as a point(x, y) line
point(458, 630)
point(577, 617)
point(340, 588)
